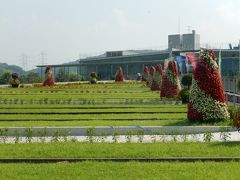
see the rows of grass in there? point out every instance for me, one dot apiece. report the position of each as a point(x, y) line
point(95, 110)
point(113, 170)
point(87, 106)
point(45, 123)
point(115, 150)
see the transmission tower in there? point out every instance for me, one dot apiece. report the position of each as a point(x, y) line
point(43, 57)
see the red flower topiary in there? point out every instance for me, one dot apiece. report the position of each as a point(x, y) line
point(152, 72)
point(49, 78)
point(157, 78)
point(170, 86)
point(207, 100)
point(119, 77)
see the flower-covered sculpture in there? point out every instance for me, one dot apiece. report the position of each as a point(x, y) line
point(157, 78)
point(93, 78)
point(119, 77)
point(14, 81)
point(152, 72)
point(49, 78)
point(145, 75)
point(170, 86)
point(207, 100)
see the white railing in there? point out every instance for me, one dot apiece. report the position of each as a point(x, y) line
point(232, 98)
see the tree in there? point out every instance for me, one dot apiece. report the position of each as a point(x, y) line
point(74, 77)
point(187, 80)
point(5, 77)
point(207, 100)
point(32, 77)
point(60, 75)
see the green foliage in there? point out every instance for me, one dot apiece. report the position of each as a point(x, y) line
point(184, 95)
point(3, 135)
point(5, 77)
point(235, 113)
point(74, 77)
point(32, 77)
point(90, 134)
point(187, 80)
point(207, 136)
point(238, 84)
point(29, 134)
point(60, 77)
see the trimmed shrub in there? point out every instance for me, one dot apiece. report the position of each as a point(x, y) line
point(14, 80)
point(184, 95)
point(187, 80)
point(93, 78)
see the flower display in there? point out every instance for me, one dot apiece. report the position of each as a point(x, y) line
point(207, 100)
point(152, 72)
point(119, 77)
point(170, 85)
point(49, 78)
point(157, 78)
point(145, 75)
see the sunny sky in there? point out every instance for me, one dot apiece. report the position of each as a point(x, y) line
point(58, 31)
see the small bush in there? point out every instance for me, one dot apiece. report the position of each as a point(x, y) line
point(236, 118)
point(184, 95)
point(187, 80)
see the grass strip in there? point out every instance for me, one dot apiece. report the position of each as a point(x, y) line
point(113, 150)
point(94, 116)
point(114, 170)
point(39, 123)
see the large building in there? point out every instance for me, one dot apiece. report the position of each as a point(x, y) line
point(133, 61)
point(184, 41)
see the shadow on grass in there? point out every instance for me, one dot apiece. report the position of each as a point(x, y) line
point(227, 144)
point(189, 123)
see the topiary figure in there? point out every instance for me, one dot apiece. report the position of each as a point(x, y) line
point(157, 78)
point(170, 86)
point(14, 80)
point(93, 78)
point(119, 77)
point(207, 100)
point(145, 75)
point(49, 78)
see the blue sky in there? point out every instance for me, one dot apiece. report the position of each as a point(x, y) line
point(67, 29)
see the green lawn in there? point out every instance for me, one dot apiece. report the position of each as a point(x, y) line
point(114, 170)
point(128, 150)
point(96, 123)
